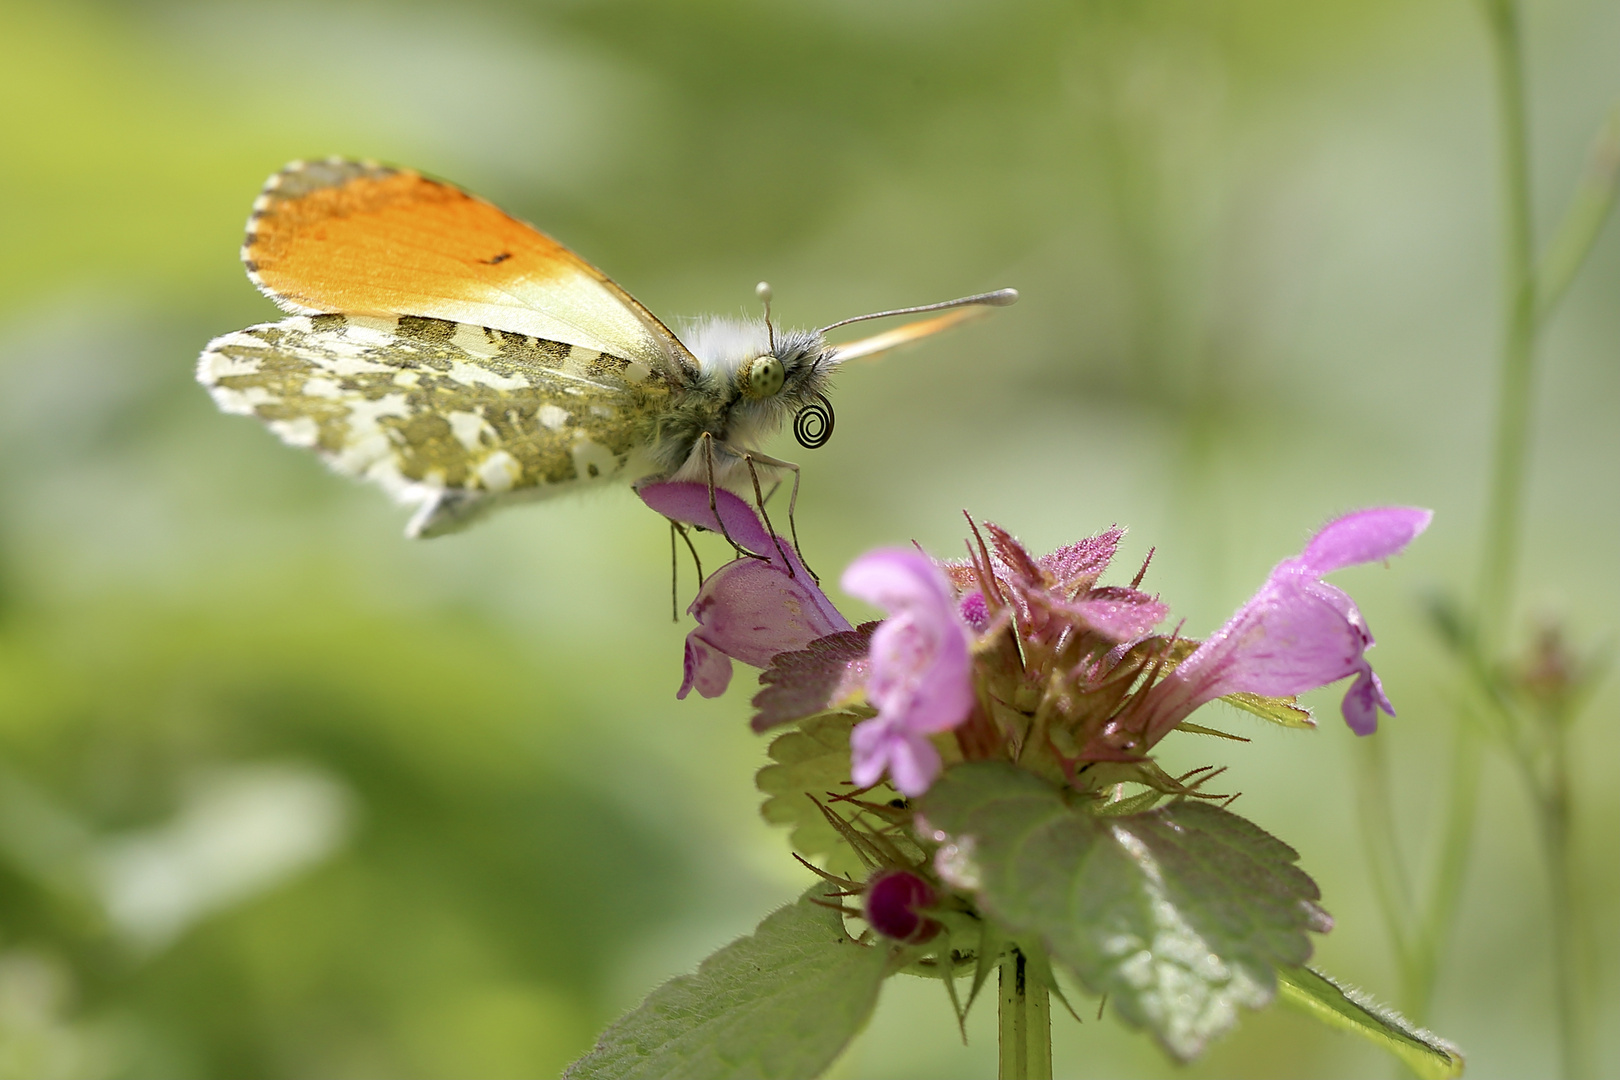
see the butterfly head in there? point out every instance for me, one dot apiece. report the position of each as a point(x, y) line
point(761, 374)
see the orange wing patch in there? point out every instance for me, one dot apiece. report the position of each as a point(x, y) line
point(344, 236)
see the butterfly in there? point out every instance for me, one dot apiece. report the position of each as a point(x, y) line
point(463, 359)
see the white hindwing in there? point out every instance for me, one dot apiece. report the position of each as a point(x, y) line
point(447, 416)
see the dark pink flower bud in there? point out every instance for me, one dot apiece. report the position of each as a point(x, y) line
point(895, 900)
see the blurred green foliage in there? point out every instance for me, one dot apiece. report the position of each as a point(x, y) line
point(284, 795)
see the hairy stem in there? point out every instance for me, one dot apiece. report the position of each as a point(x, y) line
point(1025, 1023)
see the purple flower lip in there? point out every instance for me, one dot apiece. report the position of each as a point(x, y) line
point(893, 905)
point(750, 609)
point(688, 503)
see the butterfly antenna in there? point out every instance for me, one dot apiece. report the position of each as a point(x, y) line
point(763, 291)
point(999, 298)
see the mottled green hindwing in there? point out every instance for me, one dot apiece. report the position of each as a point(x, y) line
point(448, 416)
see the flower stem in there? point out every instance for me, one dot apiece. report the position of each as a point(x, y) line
point(1504, 521)
point(1553, 805)
point(1505, 516)
point(1420, 939)
point(1026, 1023)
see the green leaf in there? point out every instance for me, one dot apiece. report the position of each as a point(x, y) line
point(1279, 710)
point(1426, 1054)
point(782, 1002)
point(813, 760)
point(826, 674)
point(1180, 914)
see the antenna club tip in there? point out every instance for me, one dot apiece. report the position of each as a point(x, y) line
point(1001, 297)
point(763, 291)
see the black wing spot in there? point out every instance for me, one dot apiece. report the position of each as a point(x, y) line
point(497, 260)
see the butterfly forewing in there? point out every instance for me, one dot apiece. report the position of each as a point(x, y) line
point(347, 236)
point(461, 358)
point(445, 414)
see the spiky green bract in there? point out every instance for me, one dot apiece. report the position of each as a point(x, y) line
point(1180, 914)
point(813, 760)
point(781, 1002)
point(1425, 1053)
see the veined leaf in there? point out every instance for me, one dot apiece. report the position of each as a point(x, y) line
point(1425, 1053)
point(1180, 914)
point(827, 674)
point(782, 1002)
point(813, 759)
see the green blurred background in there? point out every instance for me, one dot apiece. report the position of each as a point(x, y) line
point(282, 794)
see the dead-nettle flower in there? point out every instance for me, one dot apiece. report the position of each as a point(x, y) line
point(920, 674)
point(1297, 633)
point(751, 609)
point(1022, 658)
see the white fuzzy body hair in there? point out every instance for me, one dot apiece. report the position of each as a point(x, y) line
point(723, 345)
point(715, 402)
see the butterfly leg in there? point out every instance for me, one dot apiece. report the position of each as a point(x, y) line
point(697, 563)
point(674, 577)
point(759, 501)
point(793, 501)
point(714, 507)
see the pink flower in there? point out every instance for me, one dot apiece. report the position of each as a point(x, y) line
point(749, 609)
point(921, 669)
point(1297, 633)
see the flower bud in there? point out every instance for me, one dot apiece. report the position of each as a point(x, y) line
point(893, 900)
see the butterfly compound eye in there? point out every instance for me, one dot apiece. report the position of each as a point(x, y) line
point(762, 377)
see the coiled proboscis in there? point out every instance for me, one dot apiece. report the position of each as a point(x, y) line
point(813, 424)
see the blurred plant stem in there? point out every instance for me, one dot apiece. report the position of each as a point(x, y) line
point(1505, 516)
point(1536, 739)
point(1025, 1015)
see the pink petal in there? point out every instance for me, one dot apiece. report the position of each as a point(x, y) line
point(920, 671)
point(879, 745)
point(1364, 536)
point(1296, 634)
point(751, 610)
point(707, 668)
point(913, 764)
point(1362, 702)
point(896, 578)
point(689, 503)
